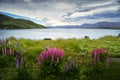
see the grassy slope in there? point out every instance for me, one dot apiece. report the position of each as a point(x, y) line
point(11, 23)
point(74, 46)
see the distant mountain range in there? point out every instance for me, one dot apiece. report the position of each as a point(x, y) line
point(7, 22)
point(98, 25)
point(102, 25)
point(13, 21)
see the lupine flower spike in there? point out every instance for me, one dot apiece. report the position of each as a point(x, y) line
point(97, 55)
point(53, 53)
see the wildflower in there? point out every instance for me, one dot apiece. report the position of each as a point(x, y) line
point(66, 68)
point(52, 53)
point(10, 50)
point(18, 53)
point(4, 50)
point(17, 62)
point(21, 60)
point(57, 60)
point(97, 54)
point(18, 45)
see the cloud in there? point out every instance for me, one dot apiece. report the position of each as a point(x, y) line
point(64, 12)
point(93, 11)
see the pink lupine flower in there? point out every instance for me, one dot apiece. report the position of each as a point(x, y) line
point(97, 55)
point(52, 53)
point(10, 50)
point(3, 52)
point(57, 59)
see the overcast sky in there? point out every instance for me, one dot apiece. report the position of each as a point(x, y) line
point(64, 12)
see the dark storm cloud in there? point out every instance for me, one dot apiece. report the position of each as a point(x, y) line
point(11, 1)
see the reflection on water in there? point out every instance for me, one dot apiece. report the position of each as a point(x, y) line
point(57, 33)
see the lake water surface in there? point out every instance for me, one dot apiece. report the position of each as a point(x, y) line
point(57, 33)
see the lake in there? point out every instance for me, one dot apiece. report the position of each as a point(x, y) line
point(57, 33)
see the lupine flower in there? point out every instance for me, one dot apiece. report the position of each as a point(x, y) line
point(21, 61)
point(97, 54)
point(17, 62)
point(53, 53)
point(18, 53)
point(69, 66)
point(3, 52)
point(18, 45)
point(57, 59)
point(66, 68)
point(11, 51)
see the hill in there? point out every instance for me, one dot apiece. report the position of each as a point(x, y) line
point(98, 25)
point(7, 22)
point(102, 25)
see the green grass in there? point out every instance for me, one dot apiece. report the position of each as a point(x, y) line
point(77, 49)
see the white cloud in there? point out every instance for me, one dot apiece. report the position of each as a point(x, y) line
point(64, 6)
point(94, 11)
point(52, 10)
point(27, 0)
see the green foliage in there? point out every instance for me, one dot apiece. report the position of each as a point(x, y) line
point(7, 22)
point(22, 74)
point(77, 49)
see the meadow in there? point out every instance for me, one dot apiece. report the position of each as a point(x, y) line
point(20, 59)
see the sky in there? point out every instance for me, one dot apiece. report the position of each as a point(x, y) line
point(64, 12)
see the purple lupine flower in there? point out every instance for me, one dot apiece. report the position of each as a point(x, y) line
point(17, 62)
point(18, 53)
point(66, 68)
point(18, 45)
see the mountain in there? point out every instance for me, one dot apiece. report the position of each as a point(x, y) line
point(102, 25)
point(98, 25)
point(7, 22)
